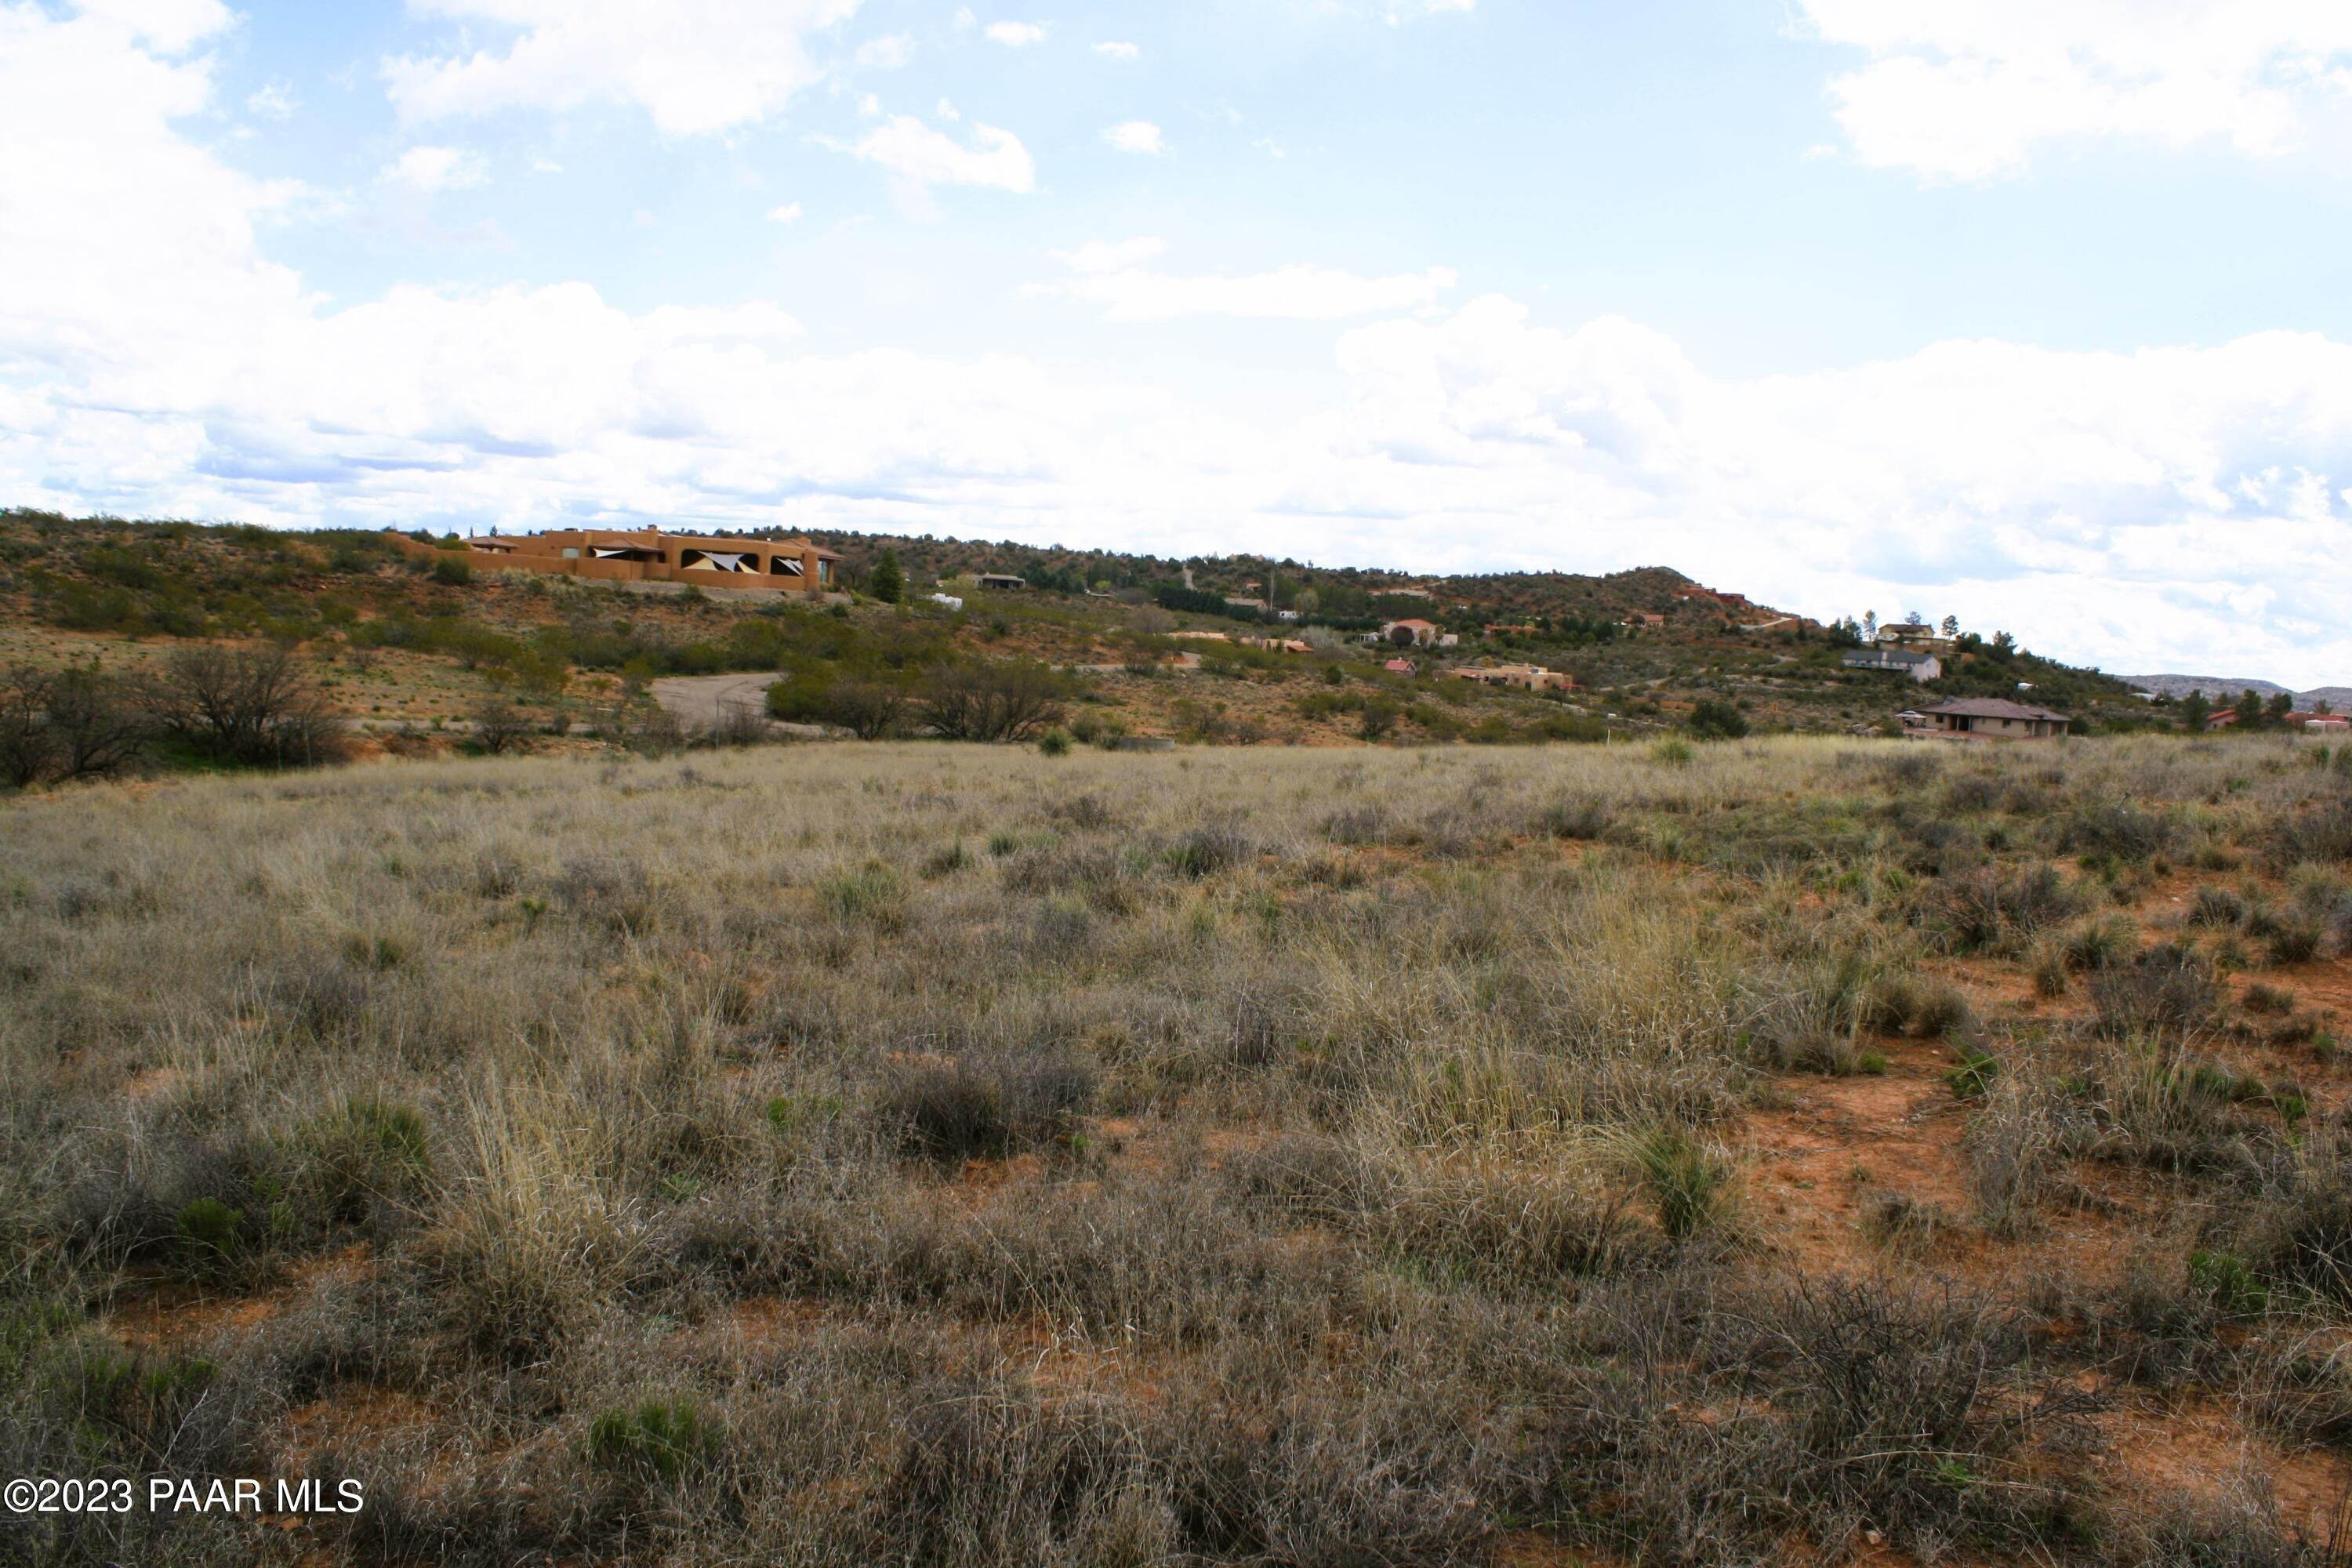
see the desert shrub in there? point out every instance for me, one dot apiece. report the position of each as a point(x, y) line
point(1713, 719)
point(741, 724)
point(210, 1227)
point(2118, 830)
point(1904, 1224)
point(1977, 1073)
point(2295, 939)
point(1309, 1178)
point(963, 1110)
point(1908, 1004)
point(1211, 848)
point(1987, 908)
point(2099, 944)
point(872, 894)
point(660, 1438)
point(1514, 1223)
point(1686, 1181)
point(255, 706)
point(1007, 699)
point(499, 726)
point(2298, 1231)
point(2319, 833)
point(1574, 817)
point(69, 724)
point(340, 1165)
point(1053, 743)
point(1356, 825)
point(451, 570)
point(2167, 989)
point(610, 889)
point(2217, 907)
point(987, 1475)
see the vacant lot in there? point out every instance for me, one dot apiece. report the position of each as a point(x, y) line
point(903, 1153)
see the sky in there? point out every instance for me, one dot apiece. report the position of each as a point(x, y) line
point(2034, 312)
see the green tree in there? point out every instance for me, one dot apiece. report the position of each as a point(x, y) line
point(1713, 719)
point(888, 582)
point(2194, 711)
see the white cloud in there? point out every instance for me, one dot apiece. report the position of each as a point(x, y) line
point(789, 212)
point(1968, 88)
point(165, 26)
point(888, 52)
point(922, 157)
point(1117, 50)
point(1114, 277)
point(1105, 256)
point(695, 66)
point(1136, 136)
point(2166, 508)
point(1016, 35)
point(428, 170)
point(273, 99)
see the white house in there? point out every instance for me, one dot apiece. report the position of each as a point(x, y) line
point(1920, 667)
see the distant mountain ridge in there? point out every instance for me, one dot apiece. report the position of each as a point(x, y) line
point(2221, 688)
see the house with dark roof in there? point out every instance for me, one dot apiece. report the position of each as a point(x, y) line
point(1988, 719)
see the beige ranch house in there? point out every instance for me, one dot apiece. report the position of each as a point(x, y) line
point(1984, 719)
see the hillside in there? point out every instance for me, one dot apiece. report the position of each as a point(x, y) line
point(2228, 688)
point(408, 646)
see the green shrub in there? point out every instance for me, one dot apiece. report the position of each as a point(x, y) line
point(1054, 742)
point(210, 1226)
point(451, 571)
point(1685, 1180)
point(1713, 719)
point(1974, 1076)
point(660, 1440)
point(872, 894)
point(2229, 1281)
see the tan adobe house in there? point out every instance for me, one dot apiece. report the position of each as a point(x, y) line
point(1418, 633)
point(1988, 719)
point(1523, 677)
point(649, 555)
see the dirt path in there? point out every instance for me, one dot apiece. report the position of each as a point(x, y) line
point(701, 699)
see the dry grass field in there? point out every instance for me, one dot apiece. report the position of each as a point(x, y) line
point(1788, 1151)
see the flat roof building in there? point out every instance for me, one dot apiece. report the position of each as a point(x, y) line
point(649, 555)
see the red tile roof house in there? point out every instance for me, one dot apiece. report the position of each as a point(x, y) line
point(1420, 633)
point(1989, 719)
point(1399, 666)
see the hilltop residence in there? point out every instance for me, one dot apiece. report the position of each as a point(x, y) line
point(649, 555)
point(1518, 677)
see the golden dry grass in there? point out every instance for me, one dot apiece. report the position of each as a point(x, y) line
point(947, 1154)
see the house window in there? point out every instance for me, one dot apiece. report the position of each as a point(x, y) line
point(719, 560)
point(824, 570)
point(785, 565)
